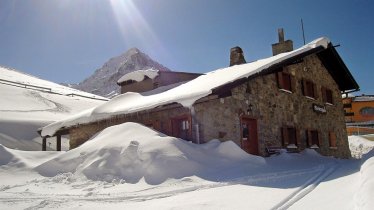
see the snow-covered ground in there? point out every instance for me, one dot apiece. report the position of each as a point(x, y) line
point(130, 166)
point(28, 103)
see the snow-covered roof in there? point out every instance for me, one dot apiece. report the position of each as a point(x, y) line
point(364, 98)
point(139, 75)
point(198, 88)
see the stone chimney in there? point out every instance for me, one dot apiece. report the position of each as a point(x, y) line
point(282, 46)
point(236, 56)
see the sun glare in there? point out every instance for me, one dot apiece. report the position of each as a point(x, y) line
point(130, 21)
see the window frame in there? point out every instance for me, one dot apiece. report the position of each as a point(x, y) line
point(285, 81)
point(332, 140)
point(310, 141)
point(309, 88)
point(327, 96)
point(285, 136)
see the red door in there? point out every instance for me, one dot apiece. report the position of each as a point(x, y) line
point(249, 139)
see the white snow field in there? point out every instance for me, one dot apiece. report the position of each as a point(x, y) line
point(28, 103)
point(130, 166)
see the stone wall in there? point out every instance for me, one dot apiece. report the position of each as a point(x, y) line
point(261, 99)
point(159, 119)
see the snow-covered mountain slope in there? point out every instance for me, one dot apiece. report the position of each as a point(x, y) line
point(28, 103)
point(104, 81)
point(130, 166)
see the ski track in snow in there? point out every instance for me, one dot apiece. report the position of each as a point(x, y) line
point(318, 174)
point(55, 107)
point(307, 188)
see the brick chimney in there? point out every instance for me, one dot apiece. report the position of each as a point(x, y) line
point(282, 46)
point(236, 56)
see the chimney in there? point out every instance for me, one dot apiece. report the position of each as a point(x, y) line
point(236, 56)
point(282, 46)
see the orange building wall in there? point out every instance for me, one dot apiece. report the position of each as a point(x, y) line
point(356, 108)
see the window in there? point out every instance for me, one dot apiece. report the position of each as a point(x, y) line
point(285, 81)
point(367, 111)
point(312, 139)
point(289, 136)
point(308, 88)
point(181, 127)
point(327, 95)
point(332, 140)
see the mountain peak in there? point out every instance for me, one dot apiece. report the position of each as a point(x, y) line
point(104, 81)
point(133, 51)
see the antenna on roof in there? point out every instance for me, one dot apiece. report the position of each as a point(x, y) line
point(302, 28)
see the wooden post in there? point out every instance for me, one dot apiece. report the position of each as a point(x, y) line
point(44, 144)
point(58, 143)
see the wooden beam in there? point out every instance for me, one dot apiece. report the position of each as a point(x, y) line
point(58, 143)
point(44, 144)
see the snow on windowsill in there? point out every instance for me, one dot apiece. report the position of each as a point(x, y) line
point(333, 147)
point(330, 104)
point(286, 91)
point(314, 146)
point(308, 97)
point(291, 146)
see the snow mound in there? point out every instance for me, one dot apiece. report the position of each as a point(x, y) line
point(365, 194)
point(132, 152)
point(23, 159)
point(359, 146)
point(5, 156)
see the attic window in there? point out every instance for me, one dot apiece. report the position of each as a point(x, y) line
point(128, 82)
point(285, 81)
point(309, 88)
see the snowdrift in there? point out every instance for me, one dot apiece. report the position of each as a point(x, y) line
point(23, 159)
point(365, 194)
point(131, 152)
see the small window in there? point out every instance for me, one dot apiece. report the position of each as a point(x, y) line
point(308, 88)
point(284, 81)
point(367, 111)
point(327, 95)
point(312, 139)
point(289, 136)
point(332, 139)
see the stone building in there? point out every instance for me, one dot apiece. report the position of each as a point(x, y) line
point(291, 100)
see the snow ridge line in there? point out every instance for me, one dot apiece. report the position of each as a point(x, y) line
point(306, 188)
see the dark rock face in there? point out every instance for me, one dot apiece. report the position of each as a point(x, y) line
point(236, 56)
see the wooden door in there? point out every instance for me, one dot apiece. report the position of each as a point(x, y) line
point(249, 138)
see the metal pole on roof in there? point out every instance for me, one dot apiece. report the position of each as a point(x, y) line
point(302, 28)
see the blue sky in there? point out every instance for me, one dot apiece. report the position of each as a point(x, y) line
point(67, 40)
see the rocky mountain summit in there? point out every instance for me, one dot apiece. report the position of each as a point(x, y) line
point(104, 80)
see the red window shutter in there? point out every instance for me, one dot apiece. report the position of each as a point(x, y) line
point(280, 80)
point(323, 91)
point(315, 91)
point(332, 139)
point(293, 83)
point(285, 136)
point(310, 141)
point(319, 139)
point(304, 87)
point(298, 137)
